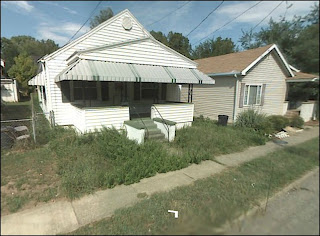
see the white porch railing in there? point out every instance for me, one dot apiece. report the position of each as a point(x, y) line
point(181, 113)
point(88, 119)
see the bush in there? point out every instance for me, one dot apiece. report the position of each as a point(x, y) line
point(278, 122)
point(254, 120)
point(297, 121)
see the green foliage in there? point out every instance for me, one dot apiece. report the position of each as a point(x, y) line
point(278, 122)
point(255, 120)
point(303, 91)
point(297, 121)
point(214, 47)
point(174, 40)
point(103, 15)
point(23, 69)
point(11, 48)
point(210, 203)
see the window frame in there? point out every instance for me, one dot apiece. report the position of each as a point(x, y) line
point(246, 97)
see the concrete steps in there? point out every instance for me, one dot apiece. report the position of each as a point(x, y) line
point(292, 113)
point(152, 132)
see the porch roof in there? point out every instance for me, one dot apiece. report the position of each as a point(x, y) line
point(124, 72)
point(37, 80)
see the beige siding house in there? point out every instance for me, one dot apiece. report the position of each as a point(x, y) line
point(250, 79)
point(114, 73)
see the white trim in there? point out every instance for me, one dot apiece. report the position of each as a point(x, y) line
point(274, 46)
point(294, 69)
point(248, 97)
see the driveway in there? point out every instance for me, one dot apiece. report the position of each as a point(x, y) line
point(292, 212)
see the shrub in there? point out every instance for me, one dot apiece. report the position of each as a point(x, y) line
point(254, 120)
point(278, 122)
point(297, 121)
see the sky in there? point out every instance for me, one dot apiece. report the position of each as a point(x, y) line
point(60, 20)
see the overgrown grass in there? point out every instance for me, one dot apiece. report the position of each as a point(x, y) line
point(209, 203)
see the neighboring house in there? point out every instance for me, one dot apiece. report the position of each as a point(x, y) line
point(113, 73)
point(254, 78)
point(308, 110)
point(9, 91)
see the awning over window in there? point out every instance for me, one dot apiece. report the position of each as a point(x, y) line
point(37, 80)
point(124, 72)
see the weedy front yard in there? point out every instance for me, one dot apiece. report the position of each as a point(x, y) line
point(68, 165)
point(208, 204)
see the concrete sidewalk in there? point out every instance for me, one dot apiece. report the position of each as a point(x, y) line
point(65, 216)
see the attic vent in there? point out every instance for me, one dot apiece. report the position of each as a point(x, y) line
point(127, 23)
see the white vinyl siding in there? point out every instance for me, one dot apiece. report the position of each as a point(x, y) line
point(212, 100)
point(143, 52)
point(177, 112)
point(268, 71)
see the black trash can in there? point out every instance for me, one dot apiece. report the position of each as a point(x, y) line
point(223, 120)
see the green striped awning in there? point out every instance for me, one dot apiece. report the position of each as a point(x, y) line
point(124, 72)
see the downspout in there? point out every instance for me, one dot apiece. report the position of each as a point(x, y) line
point(235, 98)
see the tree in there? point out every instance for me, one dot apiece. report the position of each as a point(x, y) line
point(214, 47)
point(179, 43)
point(23, 70)
point(160, 37)
point(11, 48)
point(103, 15)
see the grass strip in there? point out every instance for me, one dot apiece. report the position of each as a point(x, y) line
point(209, 203)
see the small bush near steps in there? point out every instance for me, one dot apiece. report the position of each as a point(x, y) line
point(278, 122)
point(297, 121)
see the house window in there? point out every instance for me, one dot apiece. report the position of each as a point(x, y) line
point(252, 95)
point(65, 90)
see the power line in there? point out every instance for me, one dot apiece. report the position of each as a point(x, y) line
point(229, 21)
point(266, 16)
point(169, 14)
point(85, 22)
point(205, 18)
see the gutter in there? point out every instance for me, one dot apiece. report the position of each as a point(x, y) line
point(235, 98)
point(232, 73)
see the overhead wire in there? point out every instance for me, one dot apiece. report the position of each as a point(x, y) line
point(205, 18)
point(229, 21)
point(168, 14)
point(85, 22)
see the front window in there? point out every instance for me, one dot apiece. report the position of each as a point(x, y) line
point(252, 95)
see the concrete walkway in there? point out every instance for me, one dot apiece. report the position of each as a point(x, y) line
point(64, 216)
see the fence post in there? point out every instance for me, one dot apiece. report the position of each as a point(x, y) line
point(33, 119)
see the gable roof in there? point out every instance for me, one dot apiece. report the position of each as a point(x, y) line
point(147, 35)
point(238, 62)
point(94, 30)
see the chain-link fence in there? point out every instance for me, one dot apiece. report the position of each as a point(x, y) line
point(32, 128)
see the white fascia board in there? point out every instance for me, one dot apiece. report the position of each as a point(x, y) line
point(274, 46)
point(173, 51)
point(294, 69)
point(97, 28)
point(113, 45)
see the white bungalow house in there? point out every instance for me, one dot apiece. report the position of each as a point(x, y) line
point(114, 73)
point(253, 78)
point(9, 87)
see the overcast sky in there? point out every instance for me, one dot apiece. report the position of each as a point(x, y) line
point(59, 20)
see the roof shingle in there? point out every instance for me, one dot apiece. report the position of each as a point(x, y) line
point(231, 62)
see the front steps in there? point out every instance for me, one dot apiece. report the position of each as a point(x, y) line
point(151, 130)
point(292, 113)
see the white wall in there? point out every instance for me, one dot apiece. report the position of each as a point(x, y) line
point(9, 92)
point(308, 111)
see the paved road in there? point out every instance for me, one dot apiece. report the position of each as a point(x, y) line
point(292, 212)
